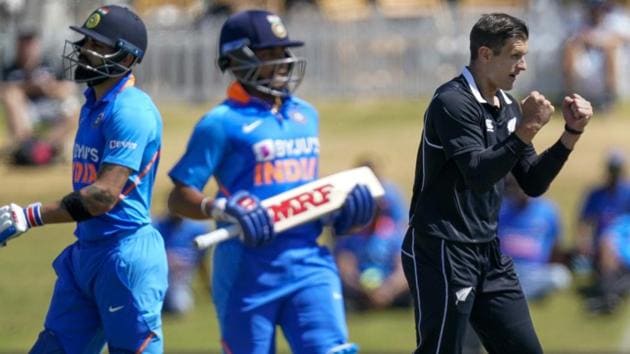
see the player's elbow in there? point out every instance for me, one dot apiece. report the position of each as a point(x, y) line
point(100, 209)
point(535, 192)
point(173, 202)
point(100, 201)
point(535, 188)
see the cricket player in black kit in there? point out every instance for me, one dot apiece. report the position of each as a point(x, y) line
point(474, 135)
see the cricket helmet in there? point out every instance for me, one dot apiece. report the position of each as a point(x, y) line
point(247, 31)
point(114, 26)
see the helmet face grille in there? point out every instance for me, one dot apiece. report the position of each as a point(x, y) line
point(279, 77)
point(74, 58)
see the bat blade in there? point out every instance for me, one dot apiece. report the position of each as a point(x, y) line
point(304, 203)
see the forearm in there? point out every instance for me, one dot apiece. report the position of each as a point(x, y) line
point(95, 199)
point(569, 140)
point(187, 202)
point(54, 213)
point(483, 169)
point(536, 176)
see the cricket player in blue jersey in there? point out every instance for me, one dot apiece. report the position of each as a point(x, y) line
point(259, 142)
point(530, 233)
point(602, 204)
point(369, 259)
point(614, 267)
point(617, 239)
point(110, 282)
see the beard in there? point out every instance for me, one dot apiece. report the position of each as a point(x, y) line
point(91, 78)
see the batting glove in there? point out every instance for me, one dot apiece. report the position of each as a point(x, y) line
point(357, 210)
point(15, 220)
point(245, 209)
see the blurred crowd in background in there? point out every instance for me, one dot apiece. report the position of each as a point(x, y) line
point(420, 40)
point(360, 48)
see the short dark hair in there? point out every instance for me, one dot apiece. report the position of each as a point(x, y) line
point(493, 30)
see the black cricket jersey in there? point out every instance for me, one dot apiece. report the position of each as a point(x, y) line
point(467, 148)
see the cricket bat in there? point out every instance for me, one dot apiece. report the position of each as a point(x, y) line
point(304, 203)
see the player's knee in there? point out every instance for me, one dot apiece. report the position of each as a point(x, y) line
point(346, 348)
point(47, 343)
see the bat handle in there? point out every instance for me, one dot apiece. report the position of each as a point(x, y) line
point(206, 240)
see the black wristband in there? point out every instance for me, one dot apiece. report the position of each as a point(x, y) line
point(568, 129)
point(75, 207)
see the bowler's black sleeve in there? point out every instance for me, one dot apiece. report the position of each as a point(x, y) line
point(534, 173)
point(483, 169)
point(460, 130)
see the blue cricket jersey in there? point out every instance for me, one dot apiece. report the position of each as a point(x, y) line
point(245, 145)
point(603, 206)
point(528, 234)
point(123, 128)
point(618, 233)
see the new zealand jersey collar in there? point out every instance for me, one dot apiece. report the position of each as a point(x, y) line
point(475, 90)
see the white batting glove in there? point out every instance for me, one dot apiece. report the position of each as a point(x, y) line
point(15, 220)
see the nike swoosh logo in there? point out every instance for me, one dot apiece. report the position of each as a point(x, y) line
point(114, 309)
point(248, 128)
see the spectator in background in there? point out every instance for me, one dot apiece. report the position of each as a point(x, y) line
point(602, 206)
point(590, 55)
point(530, 233)
point(369, 259)
point(40, 107)
point(183, 260)
point(603, 203)
point(614, 267)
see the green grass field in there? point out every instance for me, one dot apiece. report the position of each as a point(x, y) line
point(387, 130)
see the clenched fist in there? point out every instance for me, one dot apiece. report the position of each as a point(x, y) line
point(576, 111)
point(537, 111)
